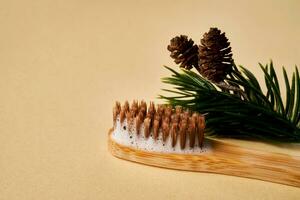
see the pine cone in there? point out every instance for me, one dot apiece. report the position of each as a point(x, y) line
point(184, 52)
point(215, 57)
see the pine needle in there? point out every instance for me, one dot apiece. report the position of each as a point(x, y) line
point(259, 117)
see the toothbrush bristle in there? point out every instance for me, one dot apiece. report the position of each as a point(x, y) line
point(139, 121)
point(165, 128)
point(177, 123)
point(147, 126)
point(182, 133)
point(116, 111)
point(201, 127)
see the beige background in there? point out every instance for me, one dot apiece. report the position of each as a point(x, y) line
point(64, 63)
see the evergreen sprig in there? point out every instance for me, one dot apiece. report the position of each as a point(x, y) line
point(253, 115)
point(230, 96)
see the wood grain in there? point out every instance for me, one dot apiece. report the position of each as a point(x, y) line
point(224, 158)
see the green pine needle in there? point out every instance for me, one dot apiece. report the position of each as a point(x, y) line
point(259, 116)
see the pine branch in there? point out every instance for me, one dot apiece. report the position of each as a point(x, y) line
point(229, 115)
point(231, 96)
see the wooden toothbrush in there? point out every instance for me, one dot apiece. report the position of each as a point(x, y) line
point(173, 138)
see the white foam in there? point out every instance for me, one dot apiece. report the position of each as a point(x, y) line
point(127, 136)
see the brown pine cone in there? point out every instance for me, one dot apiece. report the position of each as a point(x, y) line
point(215, 57)
point(184, 52)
